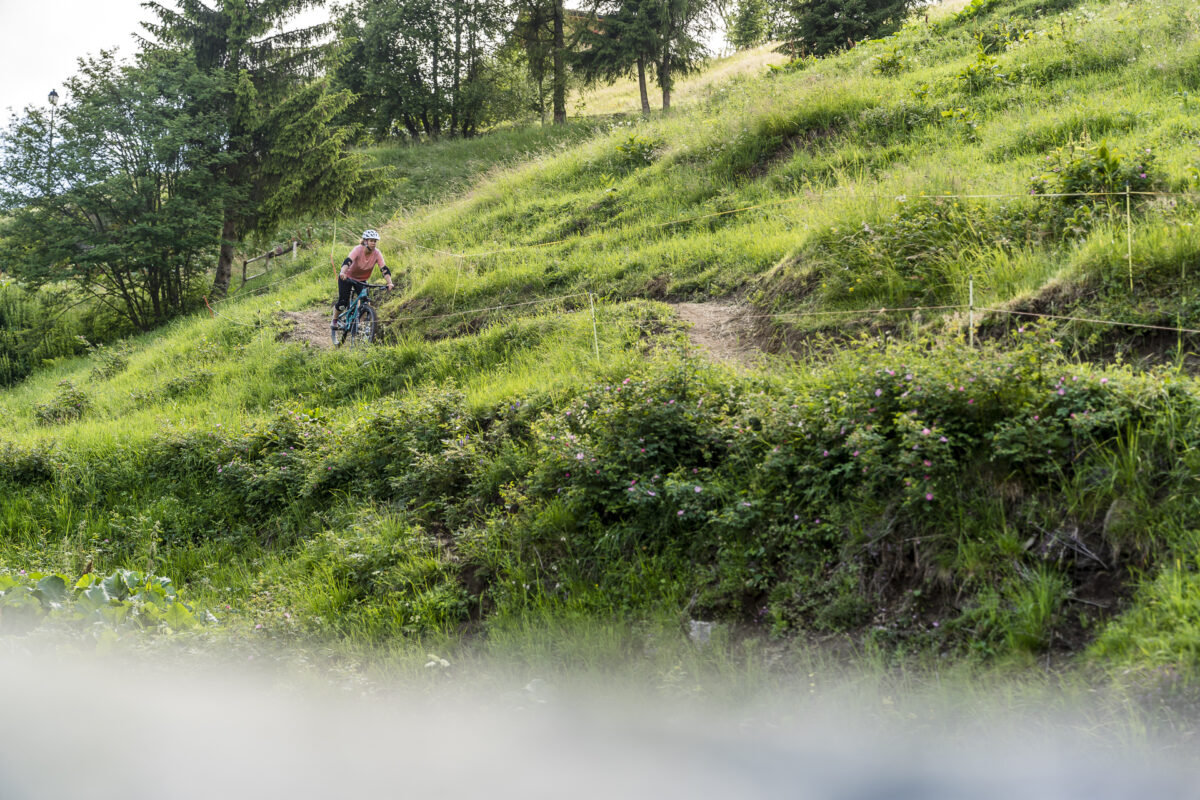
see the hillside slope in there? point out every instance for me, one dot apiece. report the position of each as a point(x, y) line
point(536, 444)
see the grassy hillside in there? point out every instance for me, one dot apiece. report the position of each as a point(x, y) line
point(505, 475)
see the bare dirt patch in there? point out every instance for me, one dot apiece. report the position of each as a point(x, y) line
point(723, 330)
point(310, 327)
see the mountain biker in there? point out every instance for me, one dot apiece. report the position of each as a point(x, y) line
point(359, 265)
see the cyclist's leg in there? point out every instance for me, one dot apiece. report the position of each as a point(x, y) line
point(345, 286)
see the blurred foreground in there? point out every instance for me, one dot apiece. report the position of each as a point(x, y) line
point(131, 731)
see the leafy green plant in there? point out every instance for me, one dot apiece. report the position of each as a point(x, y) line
point(980, 74)
point(999, 36)
point(637, 150)
point(889, 63)
point(21, 466)
point(793, 65)
point(1086, 183)
point(69, 403)
point(976, 8)
point(1083, 168)
point(964, 120)
point(124, 598)
point(109, 361)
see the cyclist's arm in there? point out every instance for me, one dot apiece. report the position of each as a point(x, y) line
point(346, 263)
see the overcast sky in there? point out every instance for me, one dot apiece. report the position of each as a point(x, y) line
point(40, 41)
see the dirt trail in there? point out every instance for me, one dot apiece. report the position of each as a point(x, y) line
point(310, 327)
point(721, 329)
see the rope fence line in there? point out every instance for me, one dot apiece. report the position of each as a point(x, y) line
point(212, 313)
point(493, 308)
point(849, 312)
point(1115, 323)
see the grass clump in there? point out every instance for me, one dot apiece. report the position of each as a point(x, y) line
point(1162, 631)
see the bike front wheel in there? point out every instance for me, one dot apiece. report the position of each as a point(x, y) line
point(363, 330)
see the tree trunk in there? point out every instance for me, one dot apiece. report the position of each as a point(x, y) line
point(437, 92)
point(641, 65)
point(456, 103)
point(560, 66)
point(664, 80)
point(220, 286)
point(541, 94)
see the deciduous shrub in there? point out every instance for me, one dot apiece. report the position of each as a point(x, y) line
point(69, 403)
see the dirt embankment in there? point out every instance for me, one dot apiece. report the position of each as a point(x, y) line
point(722, 329)
point(310, 327)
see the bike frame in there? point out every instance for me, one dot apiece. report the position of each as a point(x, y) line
point(348, 319)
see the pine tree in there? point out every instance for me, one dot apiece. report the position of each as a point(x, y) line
point(750, 24)
point(284, 154)
point(665, 35)
point(824, 26)
point(679, 26)
point(617, 43)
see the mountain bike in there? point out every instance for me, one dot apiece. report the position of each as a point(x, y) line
point(357, 322)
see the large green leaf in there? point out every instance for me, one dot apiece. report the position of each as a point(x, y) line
point(152, 595)
point(133, 580)
point(94, 597)
point(179, 617)
point(52, 590)
point(115, 586)
point(114, 613)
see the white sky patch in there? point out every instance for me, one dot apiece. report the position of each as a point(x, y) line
point(41, 42)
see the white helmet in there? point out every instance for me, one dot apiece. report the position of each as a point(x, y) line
point(371, 233)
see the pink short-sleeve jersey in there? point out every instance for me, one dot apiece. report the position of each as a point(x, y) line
point(362, 263)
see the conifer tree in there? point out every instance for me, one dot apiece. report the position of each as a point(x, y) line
point(819, 27)
point(617, 42)
point(284, 153)
point(666, 34)
point(750, 24)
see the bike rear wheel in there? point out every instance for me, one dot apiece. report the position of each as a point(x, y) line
point(362, 331)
